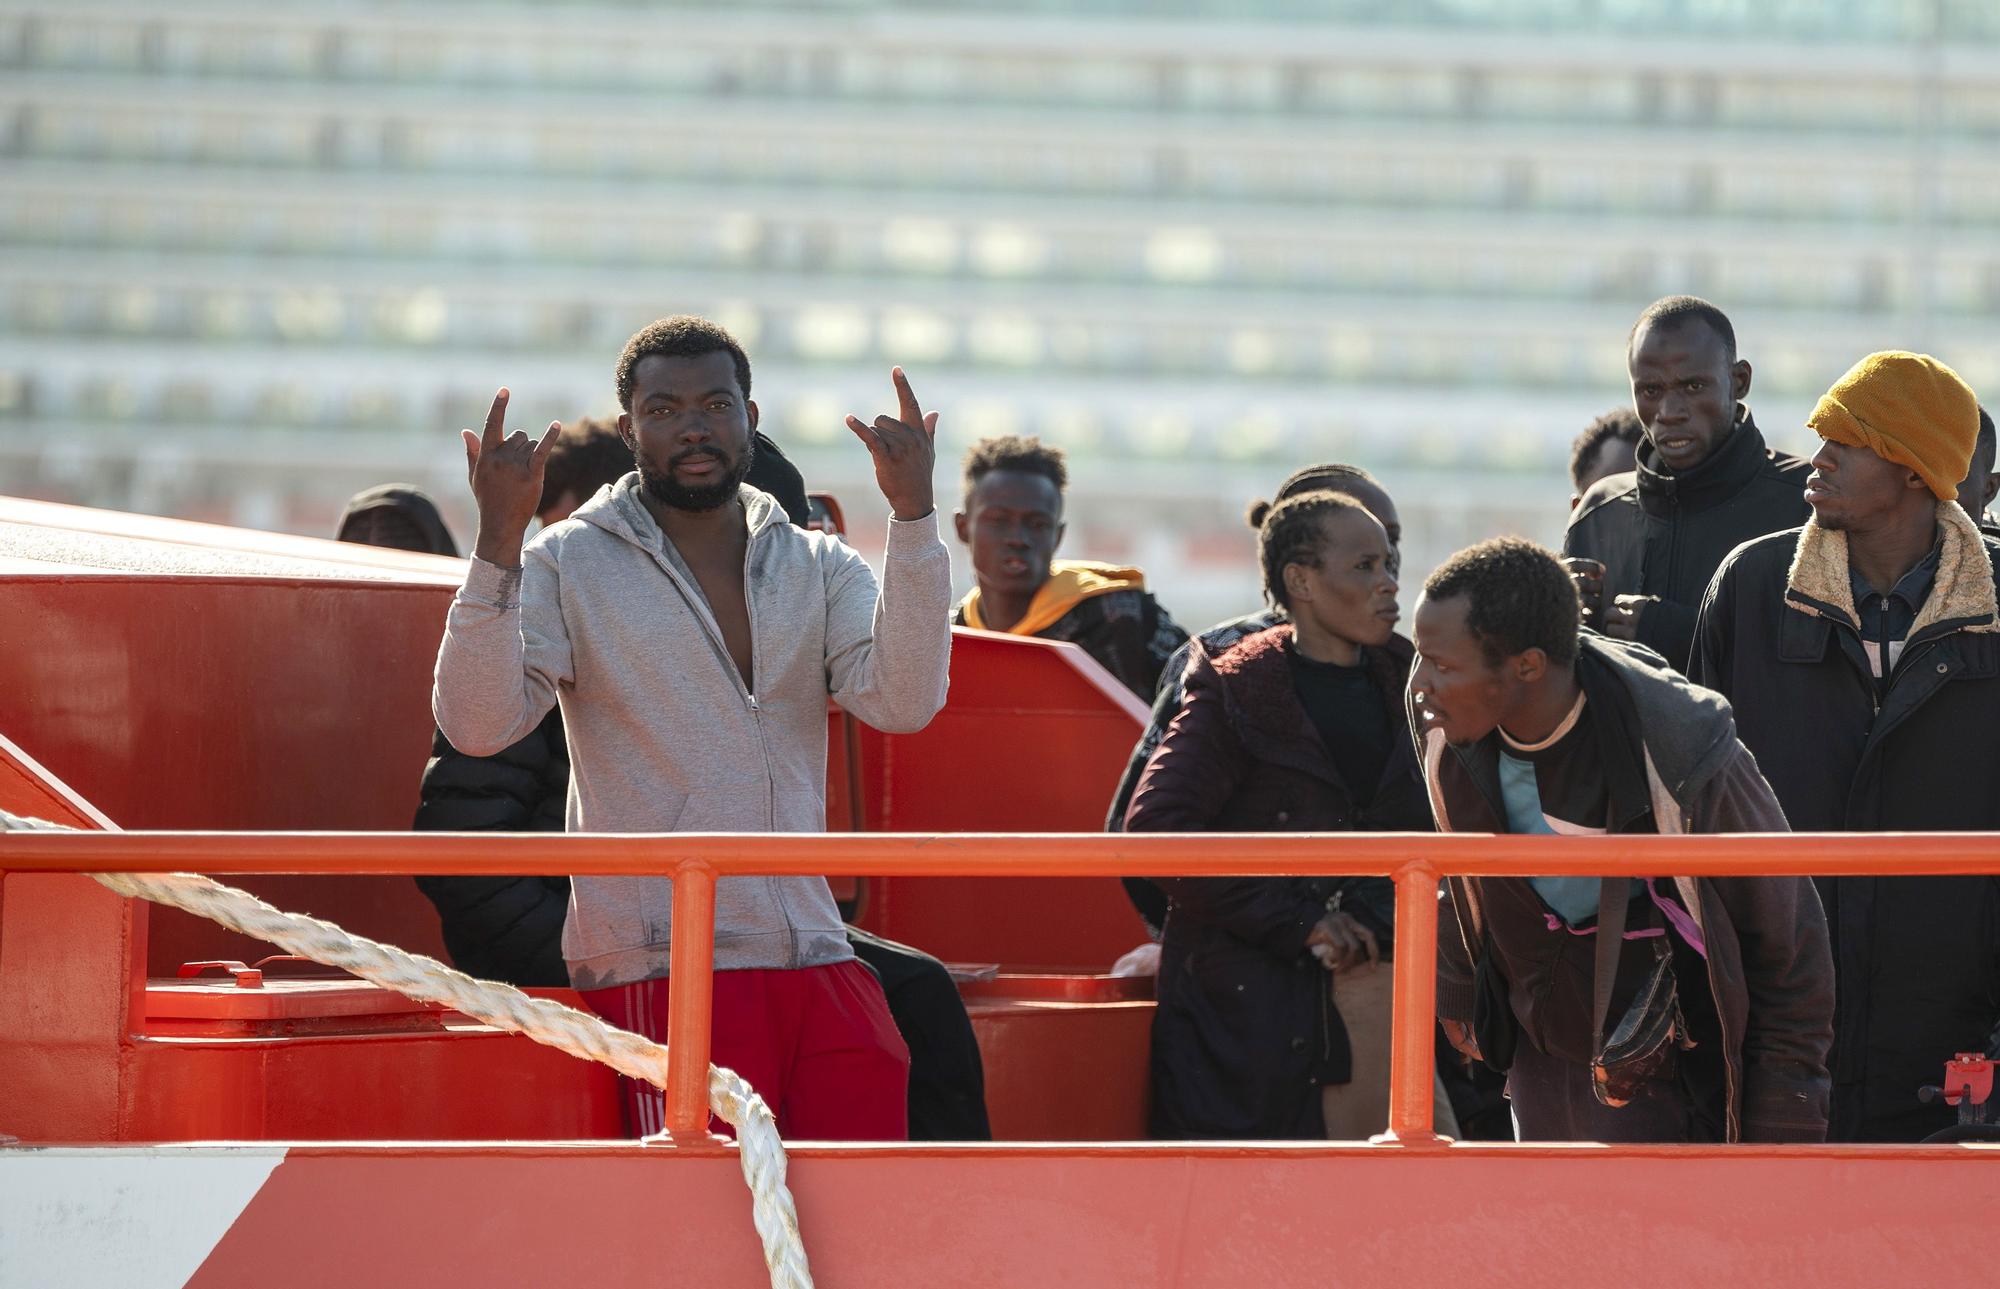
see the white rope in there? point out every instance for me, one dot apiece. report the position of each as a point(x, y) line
point(761, 1151)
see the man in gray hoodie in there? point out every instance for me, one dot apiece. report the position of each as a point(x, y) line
point(692, 637)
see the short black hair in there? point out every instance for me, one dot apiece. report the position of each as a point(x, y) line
point(1013, 452)
point(1291, 534)
point(588, 454)
point(1984, 443)
point(1677, 309)
point(1518, 597)
point(1620, 425)
point(681, 336)
point(1314, 478)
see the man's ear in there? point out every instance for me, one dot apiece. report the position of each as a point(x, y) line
point(1057, 543)
point(1530, 665)
point(625, 430)
point(1916, 481)
point(1739, 380)
point(961, 524)
point(1987, 493)
point(751, 409)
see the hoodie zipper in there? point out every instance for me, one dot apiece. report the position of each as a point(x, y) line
point(773, 885)
point(706, 617)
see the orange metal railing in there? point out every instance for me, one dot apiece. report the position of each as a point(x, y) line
point(1416, 861)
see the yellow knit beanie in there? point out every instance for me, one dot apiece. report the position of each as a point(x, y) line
point(1907, 408)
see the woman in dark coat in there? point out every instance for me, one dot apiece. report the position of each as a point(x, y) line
point(1299, 728)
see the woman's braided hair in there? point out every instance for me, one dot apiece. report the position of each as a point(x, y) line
point(1313, 478)
point(1291, 534)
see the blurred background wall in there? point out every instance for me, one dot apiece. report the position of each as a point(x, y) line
point(255, 257)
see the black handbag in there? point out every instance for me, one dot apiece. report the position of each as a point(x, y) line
point(1642, 1047)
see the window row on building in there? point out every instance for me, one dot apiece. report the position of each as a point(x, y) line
point(887, 157)
point(999, 59)
point(1283, 258)
point(1455, 340)
point(804, 414)
point(1506, 345)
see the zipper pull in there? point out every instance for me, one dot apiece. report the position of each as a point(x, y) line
point(752, 700)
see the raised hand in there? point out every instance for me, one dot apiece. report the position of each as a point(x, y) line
point(506, 477)
point(905, 452)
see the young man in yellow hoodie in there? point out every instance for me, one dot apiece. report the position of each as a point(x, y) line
point(1013, 521)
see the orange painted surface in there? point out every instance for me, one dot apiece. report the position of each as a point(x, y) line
point(99, 1053)
point(1185, 1217)
point(29, 790)
point(1064, 1069)
point(415, 1080)
point(192, 676)
point(1032, 739)
point(1412, 1059)
point(1014, 855)
point(1416, 861)
point(120, 678)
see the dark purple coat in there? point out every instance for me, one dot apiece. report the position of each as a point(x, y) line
point(1246, 1031)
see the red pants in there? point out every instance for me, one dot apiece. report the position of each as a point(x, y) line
point(817, 1043)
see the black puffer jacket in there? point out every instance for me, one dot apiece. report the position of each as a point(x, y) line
point(501, 928)
point(1246, 1031)
point(1917, 959)
point(1663, 534)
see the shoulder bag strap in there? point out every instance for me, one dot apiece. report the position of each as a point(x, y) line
point(1613, 896)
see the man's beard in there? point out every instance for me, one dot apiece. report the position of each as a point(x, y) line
point(660, 485)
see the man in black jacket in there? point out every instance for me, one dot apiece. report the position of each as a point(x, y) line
point(1862, 653)
point(1644, 545)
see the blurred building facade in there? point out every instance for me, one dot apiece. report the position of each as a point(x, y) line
point(254, 258)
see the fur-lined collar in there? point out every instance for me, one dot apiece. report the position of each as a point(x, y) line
point(1962, 595)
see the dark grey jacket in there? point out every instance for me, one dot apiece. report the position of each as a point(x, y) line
point(1674, 765)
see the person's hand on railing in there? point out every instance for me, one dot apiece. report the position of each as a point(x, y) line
point(506, 477)
point(905, 451)
point(1341, 943)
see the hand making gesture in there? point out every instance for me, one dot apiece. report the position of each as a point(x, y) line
point(905, 452)
point(506, 475)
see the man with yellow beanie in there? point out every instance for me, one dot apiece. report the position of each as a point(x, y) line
point(1862, 654)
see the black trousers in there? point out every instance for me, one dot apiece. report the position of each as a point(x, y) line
point(947, 1078)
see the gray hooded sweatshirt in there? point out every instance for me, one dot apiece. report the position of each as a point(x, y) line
point(605, 618)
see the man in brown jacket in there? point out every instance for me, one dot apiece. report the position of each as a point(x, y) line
point(1525, 724)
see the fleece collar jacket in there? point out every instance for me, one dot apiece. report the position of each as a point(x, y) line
point(604, 619)
point(1918, 969)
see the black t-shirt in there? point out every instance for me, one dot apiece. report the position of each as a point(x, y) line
point(1571, 796)
point(1346, 707)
